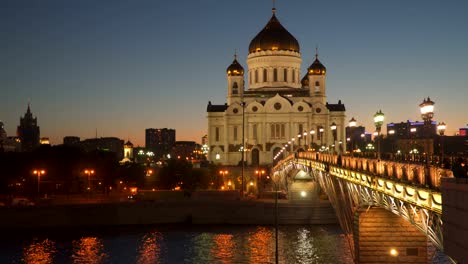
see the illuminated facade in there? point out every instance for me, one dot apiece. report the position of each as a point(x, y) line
point(277, 105)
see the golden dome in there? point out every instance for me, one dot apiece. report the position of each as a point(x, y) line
point(273, 37)
point(316, 68)
point(235, 69)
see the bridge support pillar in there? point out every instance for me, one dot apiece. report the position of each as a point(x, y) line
point(383, 237)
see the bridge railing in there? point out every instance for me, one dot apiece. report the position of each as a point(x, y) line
point(418, 174)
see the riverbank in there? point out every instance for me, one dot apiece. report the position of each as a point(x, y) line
point(191, 211)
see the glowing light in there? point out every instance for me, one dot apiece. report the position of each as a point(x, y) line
point(303, 194)
point(393, 252)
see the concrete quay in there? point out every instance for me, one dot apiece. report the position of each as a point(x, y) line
point(168, 211)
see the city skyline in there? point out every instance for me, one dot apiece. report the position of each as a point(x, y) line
point(117, 68)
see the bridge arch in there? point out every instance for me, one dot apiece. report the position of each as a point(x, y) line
point(350, 190)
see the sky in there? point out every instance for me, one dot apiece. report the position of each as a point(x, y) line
point(116, 67)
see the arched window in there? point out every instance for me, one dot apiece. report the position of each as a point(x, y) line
point(275, 75)
point(317, 86)
point(265, 75)
point(293, 76)
point(235, 88)
point(317, 83)
point(285, 74)
point(250, 77)
point(256, 76)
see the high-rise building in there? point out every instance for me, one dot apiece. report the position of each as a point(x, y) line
point(8, 144)
point(160, 141)
point(28, 131)
point(277, 106)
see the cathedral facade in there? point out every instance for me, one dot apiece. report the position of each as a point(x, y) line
point(268, 111)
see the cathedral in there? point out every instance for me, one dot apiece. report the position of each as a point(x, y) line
point(274, 108)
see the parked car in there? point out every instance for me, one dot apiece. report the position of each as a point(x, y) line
point(21, 201)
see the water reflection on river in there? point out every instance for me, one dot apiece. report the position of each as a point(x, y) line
point(179, 244)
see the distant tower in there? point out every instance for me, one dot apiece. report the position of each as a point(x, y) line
point(316, 81)
point(235, 81)
point(28, 131)
point(128, 150)
point(3, 134)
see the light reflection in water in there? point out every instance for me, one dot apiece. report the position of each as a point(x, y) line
point(39, 252)
point(89, 250)
point(223, 248)
point(260, 243)
point(150, 249)
point(305, 249)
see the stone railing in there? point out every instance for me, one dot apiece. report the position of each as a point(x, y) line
point(406, 172)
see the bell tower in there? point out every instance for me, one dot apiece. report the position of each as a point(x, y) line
point(235, 81)
point(317, 81)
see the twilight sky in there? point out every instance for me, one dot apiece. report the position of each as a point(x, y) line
point(123, 66)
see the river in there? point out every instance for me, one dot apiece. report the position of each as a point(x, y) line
point(178, 244)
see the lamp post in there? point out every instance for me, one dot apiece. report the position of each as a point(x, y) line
point(276, 218)
point(223, 173)
point(299, 139)
point(352, 125)
point(312, 133)
point(441, 128)
point(259, 174)
point(378, 121)
point(305, 140)
point(321, 136)
point(333, 129)
point(39, 173)
point(243, 148)
point(89, 173)
point(427, 113)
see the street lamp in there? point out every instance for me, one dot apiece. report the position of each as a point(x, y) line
point(427, 113)
point(89, 173)
point(312, 133)
point(259, 174)
point(321, 136)
point(378, 121)
point(352, 125)
point(223, 174)
point(305, 140)
point(333, 129)
point(243, 149)
point(441, 128)
point(299, 139)
point(39, 173)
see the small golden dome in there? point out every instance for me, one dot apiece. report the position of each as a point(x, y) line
point(235, 69)
point(316, 68)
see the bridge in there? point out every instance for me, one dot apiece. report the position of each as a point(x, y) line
point(388, 210)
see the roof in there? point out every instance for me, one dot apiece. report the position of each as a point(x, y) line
point(216, 108)
point(339, 107)
point(273, 37)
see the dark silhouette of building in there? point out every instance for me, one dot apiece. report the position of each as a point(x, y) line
point(160, 141)
point(356, 137)
point(28, 131)
point(403, 130)
point(71, 140)
point(111, 144)
point(185, 150)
